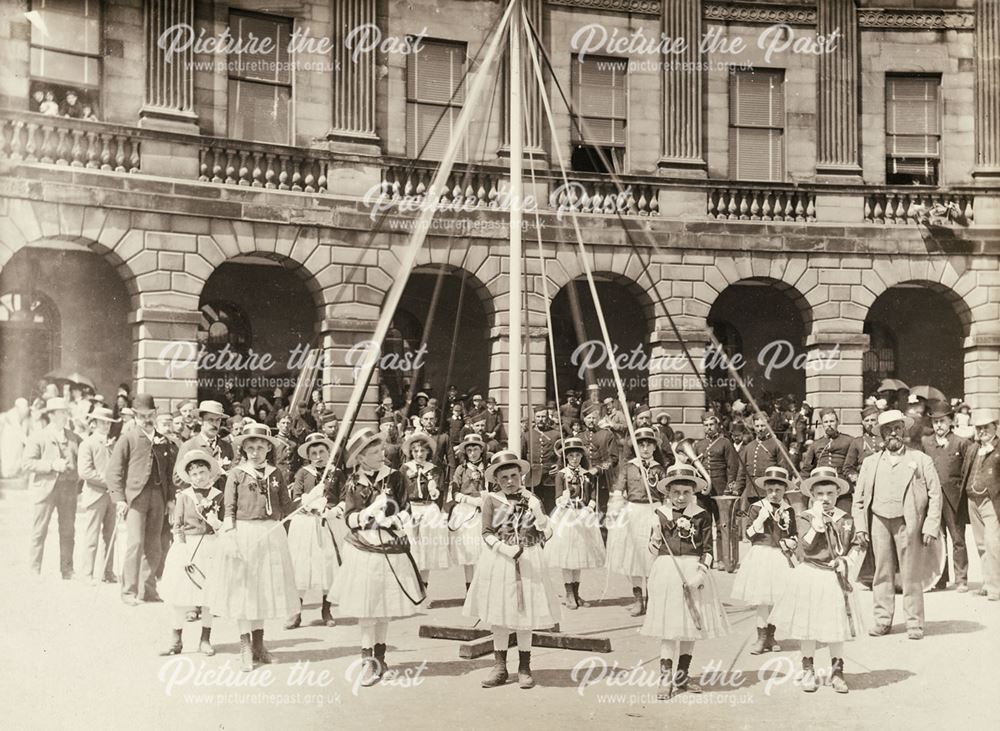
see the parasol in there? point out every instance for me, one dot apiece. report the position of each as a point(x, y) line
point(72, 377)
point(892, 384)
point(928, 392)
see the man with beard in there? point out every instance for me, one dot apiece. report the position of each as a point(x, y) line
point(444, 458)
point(538, 448)
point(949, 452)
point(189, 419)
point(718, 456)
point(211, 415)
point(982, 485)
point(897, 507)
point(603, 449)
point(755, 458)
point(830, 450)
point(862, 447)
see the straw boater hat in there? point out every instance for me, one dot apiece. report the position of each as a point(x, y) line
point(823, 475)
point(774, 473)
point(892, 416)
point(646, 434)
point(55, 404)
point(196, 455)
point(314, 438)
point(102, 413)
point(983, 417)
point(570, 444)
point(211, 407)
point(359, 442)
point(679, 472)
point(506, 458)
point(422, 438)
point(472, 440)
point(253, 430)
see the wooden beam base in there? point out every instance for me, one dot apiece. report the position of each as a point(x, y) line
point(477, 642)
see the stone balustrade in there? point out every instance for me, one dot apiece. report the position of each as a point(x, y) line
point(73, 142)
point(467, 187)
point(263, 166)
point(777, 203)
point(913, 206)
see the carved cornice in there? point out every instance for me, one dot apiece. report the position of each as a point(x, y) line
point(640, 7)
point(760, 13)
point(917, 19)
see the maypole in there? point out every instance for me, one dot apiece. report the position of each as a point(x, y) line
point(516, 197)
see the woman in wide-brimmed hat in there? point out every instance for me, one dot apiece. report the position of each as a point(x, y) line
point(423, 482)
point(763, 574)
point(576, 542)
point(681, 541)
point(511, 590)
point(190, 562)
point(818, 604)
point(378, 580)
point(465, 496)
point(310, 537)
point(255, 576)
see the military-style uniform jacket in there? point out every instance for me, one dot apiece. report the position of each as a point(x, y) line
point(630, 482)
point(511, 521)
point(286, 459)
point(256, 493)
point(603, 452)
point(192, 507)
point(719, 457)
point(949, 461)
point(418, 478)
point(780, 525)
point(306, 479)
point(686, 533)
point(861, 447)
point(578, 482)
point(756, 457)
point(538, 448)
point(826, 452)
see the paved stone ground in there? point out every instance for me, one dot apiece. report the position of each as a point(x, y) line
point(77, 657)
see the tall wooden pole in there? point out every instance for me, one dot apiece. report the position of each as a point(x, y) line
point(516, 196)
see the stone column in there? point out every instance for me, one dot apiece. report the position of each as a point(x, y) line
point(683, 128)
point(338, 336)
point(987, 89)
point(837, 92)
point(531, 103)
point(164, 354)
point(982, 366)
point(169, 102)
point(352, 128)
point(673, 385)
point(499, 366)
point(834, 377)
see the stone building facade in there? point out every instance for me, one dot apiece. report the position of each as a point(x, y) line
point(164, 223)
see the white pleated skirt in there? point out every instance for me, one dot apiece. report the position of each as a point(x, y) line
point(667, 613)
point(184, 588)
point(429, 537)
point(813, 608)
point(762, 577)
point(367, 587)
point(465, 528)
point(313, 555)
point(576, 541)
point(628, 540)
point(254, 577)
point(493, 596)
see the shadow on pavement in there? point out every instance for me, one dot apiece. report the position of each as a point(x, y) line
point(952, 627)
point(877, 678)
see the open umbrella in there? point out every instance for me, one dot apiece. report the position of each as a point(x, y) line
point(892, 384)
point(72, 377)
point(928, 392)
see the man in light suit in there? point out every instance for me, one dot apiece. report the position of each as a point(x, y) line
point(49, 459)
point(897, 504)
point(982, 486)
point(211, 416)
point(140, 481)
point(95, 450)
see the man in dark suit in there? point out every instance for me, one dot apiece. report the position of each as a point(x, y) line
point(211, 416)
point(253, 403)
point(982, 485)
point(830, 450)
point(50, 461)
point(949, 453)
point(140, 482)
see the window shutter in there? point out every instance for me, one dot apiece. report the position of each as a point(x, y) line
point(435, 73)
point(273, 66)
point(600, 96)
point(912, 119)
point(757, 120)
point(757, 99)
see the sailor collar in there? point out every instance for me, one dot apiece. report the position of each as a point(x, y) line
point(573, 471)
point(362, 479)
point(252, 471)
point(421, 466)
point(212, 493)
point(690, 510)
point(637, 461)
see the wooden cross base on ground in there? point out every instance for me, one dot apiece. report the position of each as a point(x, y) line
point(479, 642)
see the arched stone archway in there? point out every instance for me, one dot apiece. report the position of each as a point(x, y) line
point(581, 358)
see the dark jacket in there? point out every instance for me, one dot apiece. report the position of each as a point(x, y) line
point(132, 462)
